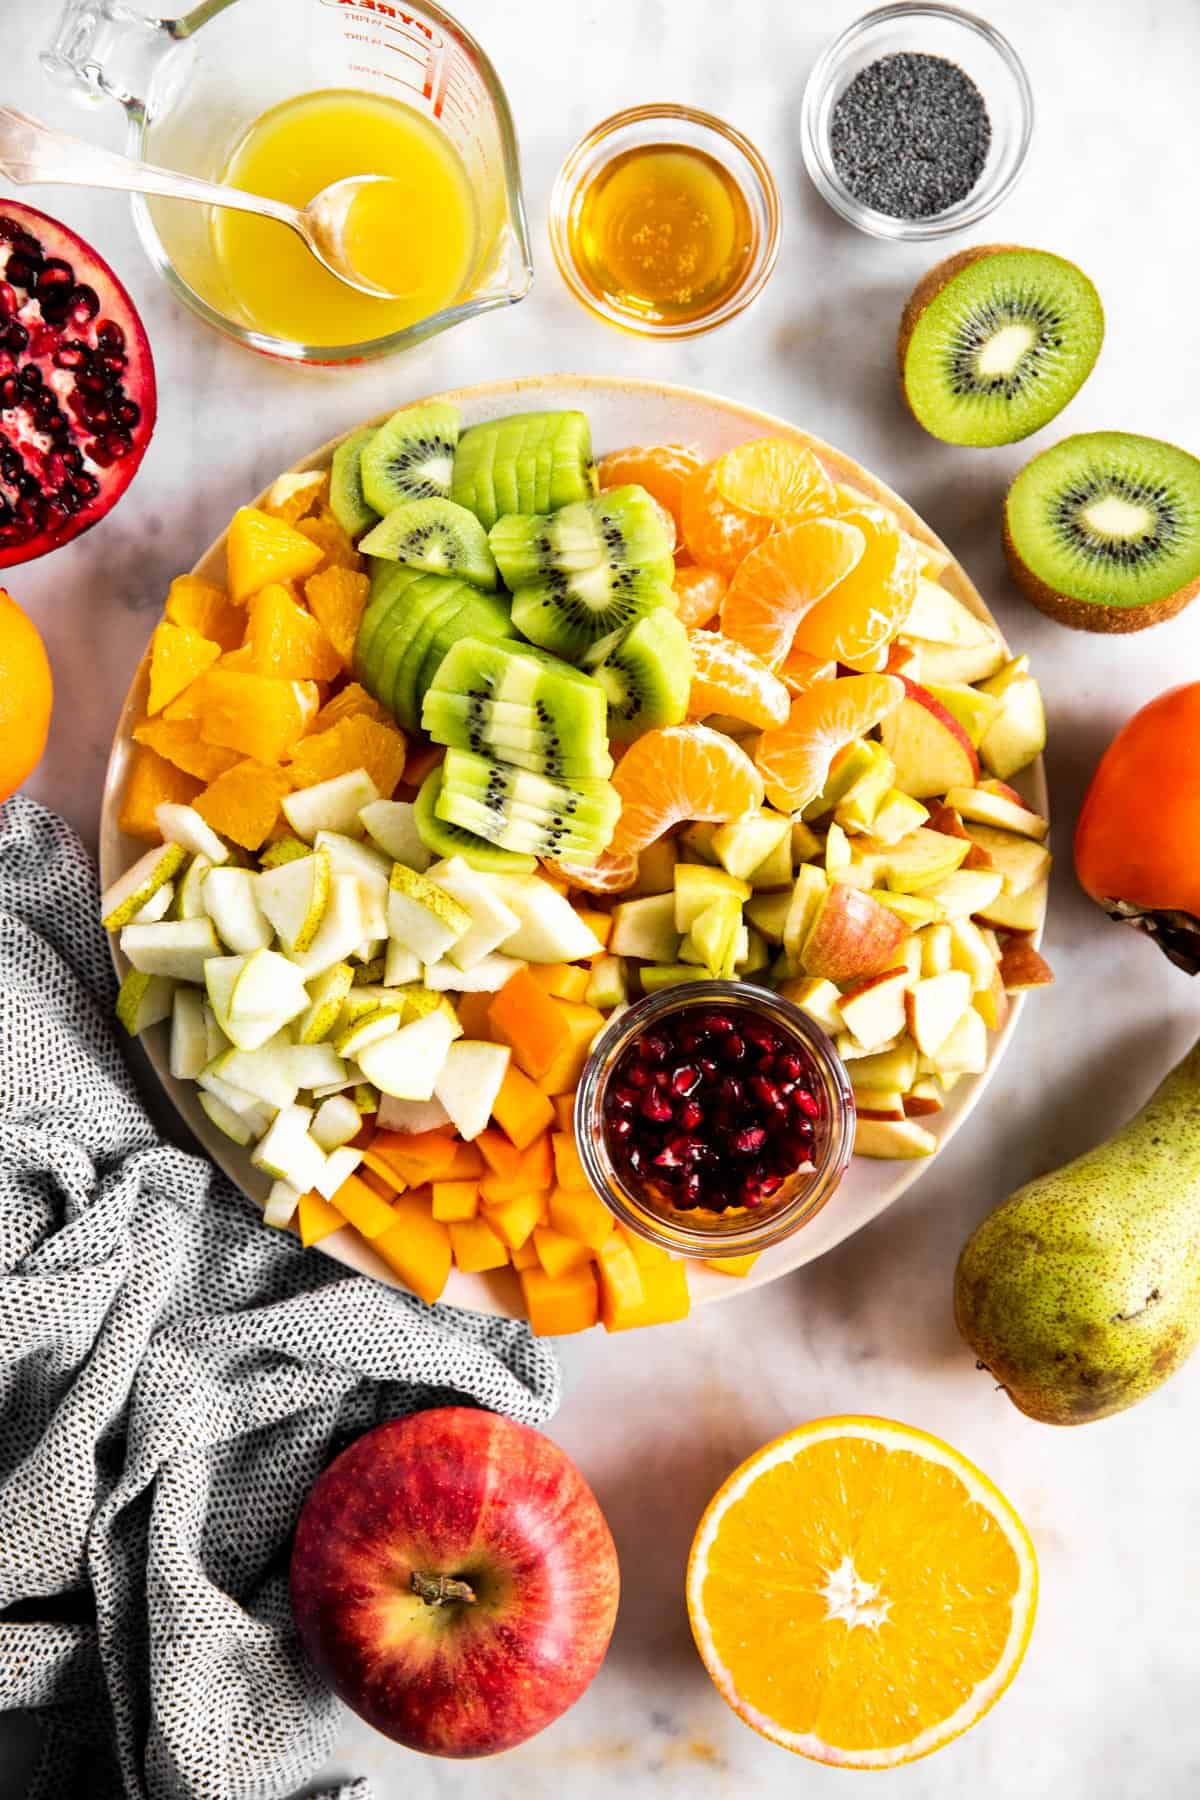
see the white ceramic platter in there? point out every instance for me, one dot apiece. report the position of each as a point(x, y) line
point(621, 412)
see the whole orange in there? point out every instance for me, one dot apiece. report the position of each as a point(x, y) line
point(26, 696)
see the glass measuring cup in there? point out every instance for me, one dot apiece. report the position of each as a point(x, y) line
point(191, 87)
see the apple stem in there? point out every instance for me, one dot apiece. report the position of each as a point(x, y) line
point(438, 1590)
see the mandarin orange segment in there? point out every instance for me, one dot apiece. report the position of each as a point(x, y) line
point(727, 678)
point(352, 699)
point(681, 772)
point(259, 715)
point(699, 593)
point(151, 781)
point(783, 579)
point(259, 549)
point(799, 671)
point(611, 873)
point(661, 469)
point(286, 641)
point(337, 550)
point(717, 534)
point(243, 804)
point(180, 743)
point(794, 759)
point(206, 608)
point(861, 1593)
point(353, 743)
point(774, 478)
point(856, 621)
point(337, 598)
point(177, 656)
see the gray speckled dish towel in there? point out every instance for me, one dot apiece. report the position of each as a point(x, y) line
point(173, 1377)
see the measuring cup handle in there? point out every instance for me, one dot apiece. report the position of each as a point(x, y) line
point(31, 151)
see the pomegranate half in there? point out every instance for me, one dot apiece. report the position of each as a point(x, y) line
point(77, 393)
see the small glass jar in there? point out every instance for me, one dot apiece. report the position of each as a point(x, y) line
point(741, 1230)
point(676, 127)
point(928, 30)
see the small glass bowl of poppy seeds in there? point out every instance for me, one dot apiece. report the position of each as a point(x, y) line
point(714, 1118)
point(916, 121)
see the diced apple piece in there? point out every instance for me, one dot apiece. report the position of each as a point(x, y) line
point(837, 850)
point(873, 1009)
point(1021, 967)
point(189, 1034)
point(183, 825)
point(892, 1068)
point(991, 1002)
point(981, 807)
point(937, 615)
point(935, 1005)
point(1016, 912)
point(130, 892)
point(607, 985)
point(408, 1063)
point(392, 825)
point(806, 843)
point(175, 947)
point(742, 844)
point(646, 928)
point(923, 859)
point(330, 805)
point(896, 816)
point(964, 1050)
point(697, 887)
point(888, 1138)
point(491, 921)
point(937, 947)
point(955, 662)
point(916, 910)
point(1017, 735)
point(231, 901)
point(768, 914)
point(968, 891)
point(970, 952)
point(924, 1097)
point(469, 1080)
point(1022, 861)
point(857, 807)
point(929, 748)
point(877, 1103)
point(776, 869)
point(851, 936)
point(656, 869)
point(972, 707)
point(808, 896)
point(819, 999)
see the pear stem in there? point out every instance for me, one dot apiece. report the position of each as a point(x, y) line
point(439, 1590)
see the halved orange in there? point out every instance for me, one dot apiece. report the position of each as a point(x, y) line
point(727, 678)
point(860, 1593)
point(661, 469)
point(775, 479)
point(785, 578)
point(717, 534)
point(698, 593)
point(856, 621)
point(794, 758)
point(681, 772)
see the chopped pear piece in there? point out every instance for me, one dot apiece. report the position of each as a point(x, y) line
point(144, 1000)
point(288, 1152)
point(411, 1115)
point(317, 1065)
point(331, 805)
point(392, 824)
point(183, 825)
point(281, 1205)
point(423, 917)
point(468, 1082)
point(407, 1064)
point(348, 857)
point(189, 1050)
point(896, 817)
point(175, 947)
point(487, 976)
point(340, 1164)
point(401, 965)
point(255, 1114)
point(231, 1124)
point(807, 895)
point(231, 901)
point(339, 933)
point(278, 997)
point(768, 914)
point(130, 892)
point(367, 1030)
point(326, 994)
point(492, 921)
point(157, 906)
point(548, 927)
point(337, 1120)
point(293, 898)
point(265, 1073)
point(189, 893)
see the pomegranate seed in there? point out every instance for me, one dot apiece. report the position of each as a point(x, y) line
point(685, 1079)
point(733, 1049)
point(731, 1091)
point(8, 301)
point(109, 335)
point(83, 304)
point(20, 272)
point(689, 1115)
point(749, 1141)
point(764, 1090)
point(638, 1078)
point(668, 1158)
point(716, 1023)
point(621, 1128)
point(806, 1103)
point(708, 1068)
point(790, 1067)
point(693, 1189)
point(657, 1108)
point(653, 1049)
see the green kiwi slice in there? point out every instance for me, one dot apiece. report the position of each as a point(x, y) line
point(514, 672)
point(405, 699)
point(531, 462)
point(577, 801)
point(1102, 532)
point(486, 616)
point(437, 536)
point(347, 501)
point(569, 614)
point(385, 610)
point(445, 839)
point(646, 674)
point(995, 341)
point(562, 736)
point(411, 457)
point(621, 529)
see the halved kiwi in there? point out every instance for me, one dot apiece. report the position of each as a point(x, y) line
point(646, 674)
point(995, 341)
point(1102, 532)
point(410, 457)
point(435, 535)
point(347, 501)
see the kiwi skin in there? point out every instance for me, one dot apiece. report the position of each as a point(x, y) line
point(1084, 615)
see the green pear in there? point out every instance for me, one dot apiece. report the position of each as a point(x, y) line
point(1080, 1294)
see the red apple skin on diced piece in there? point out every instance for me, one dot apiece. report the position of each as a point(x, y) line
point(1022, 967)
point(1001, 788)
point(454, 1581)
point(851, 936)
point(929, 747)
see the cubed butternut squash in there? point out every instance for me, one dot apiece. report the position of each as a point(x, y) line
point(454, 1202)
point(599, 922)
point(557, 1253)
point(417, 1247)
point(622, 1294)
point(568, 1170)
point(382, 1170)
point(733, 1265)
point(564, 1112)
point(468, 1165)
point(363, 1209)
point(513, 1220)
point(526, 1257)
point(537, 1163)
point(566, 981)
point(472, 1010)
point(418, 1156)
point(521, 1109)
point(499, 1153)
point(665, 1298)
point(579, 1213)
point(560, 1304)
point(317, 1219)
point(528, 1019)
point(476, 1246)
point(645, 1254)
point(582, 1023)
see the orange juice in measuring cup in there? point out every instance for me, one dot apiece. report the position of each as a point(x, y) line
point(282, 97)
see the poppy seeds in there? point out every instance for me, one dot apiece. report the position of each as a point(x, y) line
point(909, 136)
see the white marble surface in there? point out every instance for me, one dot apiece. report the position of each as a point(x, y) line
point(1105, 1706)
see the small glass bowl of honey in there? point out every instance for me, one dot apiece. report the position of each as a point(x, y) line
point(665, 220)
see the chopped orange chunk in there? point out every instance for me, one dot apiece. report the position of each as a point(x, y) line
point(149, 783)
point(334, 547)
point(177, 655)
point(455, 1201)
point(337, 597)
point(206, 608)
point(354, 743)
point(556, 1252)
point(560, 1304)
point(363, 1209)
point(256, 714)
point(476, 1246)
point(317, 1219)
point(352, 699)
point(286, 641)
point(243, 804)
point(293, 496)
point(566, 981)
point(260, 549)
point(520, 1108)
point(582, 1215)
point(180, 742)
point(417, 1247)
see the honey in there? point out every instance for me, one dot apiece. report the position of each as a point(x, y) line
point(662, 233)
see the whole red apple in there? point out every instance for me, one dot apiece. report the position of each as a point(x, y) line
point(454, 1581)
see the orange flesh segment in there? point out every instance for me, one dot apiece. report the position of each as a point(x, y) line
point(862, 614)
point(795, 760)
point(774, 478)
point(678, 773)
point(727, 678)
point(785, 578)
point(717, 534)
point(661, 469)
point(149, 783)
